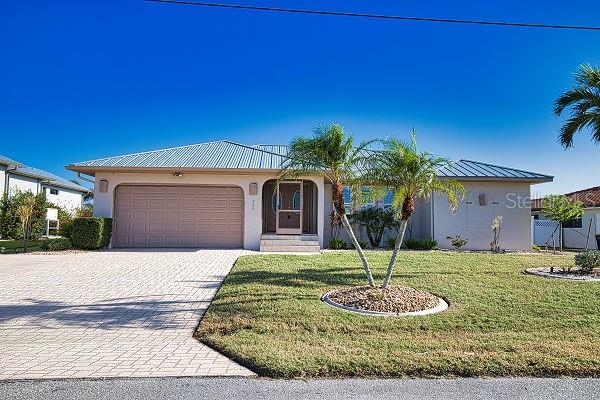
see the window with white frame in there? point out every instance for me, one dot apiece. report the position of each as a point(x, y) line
point(53, 191)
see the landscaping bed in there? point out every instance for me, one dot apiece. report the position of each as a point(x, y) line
point(268, 316)
point(573, 274)
point(393, 299)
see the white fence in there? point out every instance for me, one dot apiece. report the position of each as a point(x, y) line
point(545, 232)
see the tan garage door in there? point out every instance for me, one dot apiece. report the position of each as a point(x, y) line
point(178, 216)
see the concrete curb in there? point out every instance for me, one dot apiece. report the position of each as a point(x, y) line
point(441, 306)
point(541, 272)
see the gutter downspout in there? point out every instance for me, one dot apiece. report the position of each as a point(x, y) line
point(432, 216)
point(85, 179)
point(7, 178)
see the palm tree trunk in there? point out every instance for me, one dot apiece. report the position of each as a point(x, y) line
point(361, 254)
point(399, 239)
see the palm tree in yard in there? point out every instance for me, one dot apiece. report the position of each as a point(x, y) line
point(330, 152)
point(411, 176)
point(583, 101)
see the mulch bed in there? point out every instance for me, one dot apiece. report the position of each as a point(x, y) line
point(393, 299)
point(558, 272)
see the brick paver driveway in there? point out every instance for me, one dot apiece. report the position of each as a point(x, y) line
point(110, 313)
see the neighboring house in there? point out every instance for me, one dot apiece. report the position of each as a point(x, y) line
point(578, 233)
point(15, 176)
point(223, 194)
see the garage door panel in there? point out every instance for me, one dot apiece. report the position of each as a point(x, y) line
point(178, 216)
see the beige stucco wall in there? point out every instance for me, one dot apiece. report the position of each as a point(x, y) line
point(104, 202)
point(473, 221)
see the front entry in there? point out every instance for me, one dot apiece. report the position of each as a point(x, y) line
point(289, 208)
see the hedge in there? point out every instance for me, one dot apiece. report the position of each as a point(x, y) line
point(91, 233)
point(56, 244)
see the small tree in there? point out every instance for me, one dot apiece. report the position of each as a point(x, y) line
point(332, 153)
point(375, 220)
point(410, 175)
point(25, 213)
point(560, 209)
point(496, 226)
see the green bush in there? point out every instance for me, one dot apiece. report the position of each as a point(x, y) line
point(535, 248)
point(457, 241)
point(390, 243)
point(361, 243)
point(376, 221)
point(56, 244)
point(10, 223)
point(426, 244)
point(588, 260)
point(337, 244)
point(91, 233)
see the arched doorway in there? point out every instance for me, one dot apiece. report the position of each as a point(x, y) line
point(292, 210)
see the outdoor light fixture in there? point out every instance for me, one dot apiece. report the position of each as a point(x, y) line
point(177, 175)
point(103, 186)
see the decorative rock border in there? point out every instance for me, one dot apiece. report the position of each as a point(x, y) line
point(545, 272)
point(441, 306)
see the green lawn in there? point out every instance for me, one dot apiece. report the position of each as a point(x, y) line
point(268, 317)
point(11, 246)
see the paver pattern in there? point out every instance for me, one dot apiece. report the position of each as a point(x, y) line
point(110, 314)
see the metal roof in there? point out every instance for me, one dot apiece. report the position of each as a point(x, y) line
point(8, 161)
point(214, 155)
point(229, 155)
point(475, 170)
point(48, 178)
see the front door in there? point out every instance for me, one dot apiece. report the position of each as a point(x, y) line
point(289, 208)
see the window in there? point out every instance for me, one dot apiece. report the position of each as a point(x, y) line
point(296, 200)
point(576, 223)
point(53, 191)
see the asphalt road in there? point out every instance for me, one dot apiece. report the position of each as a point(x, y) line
point(262, 389)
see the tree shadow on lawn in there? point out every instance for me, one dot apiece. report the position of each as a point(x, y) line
point(311, 278)
point(104, 314)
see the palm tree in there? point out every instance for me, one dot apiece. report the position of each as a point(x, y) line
point(410, 175)
point(583, 101)
point(332, 153)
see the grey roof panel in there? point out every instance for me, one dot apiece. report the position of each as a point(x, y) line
point(8, 161)
point(49, 178)
point(476, 169)
point(229, 155)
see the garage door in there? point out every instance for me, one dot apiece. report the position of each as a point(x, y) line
point(178, 216)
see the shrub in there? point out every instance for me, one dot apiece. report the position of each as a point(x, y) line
point(535, 248)
point(56, 244)
point(588, 260)
point(426, 244)
point(362, 244)
point(457, 242)
point(375, 220)
point(10, 223)
point(91, 233)
point(337, 244)
point(390, 242)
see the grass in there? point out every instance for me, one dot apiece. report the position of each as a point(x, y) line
point(268, 317)
point(16, 246)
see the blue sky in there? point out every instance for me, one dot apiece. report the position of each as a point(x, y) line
point(83, 80)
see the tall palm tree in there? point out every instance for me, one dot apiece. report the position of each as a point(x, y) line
point(332, 153)
point(583, 101)
point(410, 175)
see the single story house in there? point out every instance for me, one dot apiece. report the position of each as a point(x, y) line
point(577, 234)
point(15, 176)
point(223, 194)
